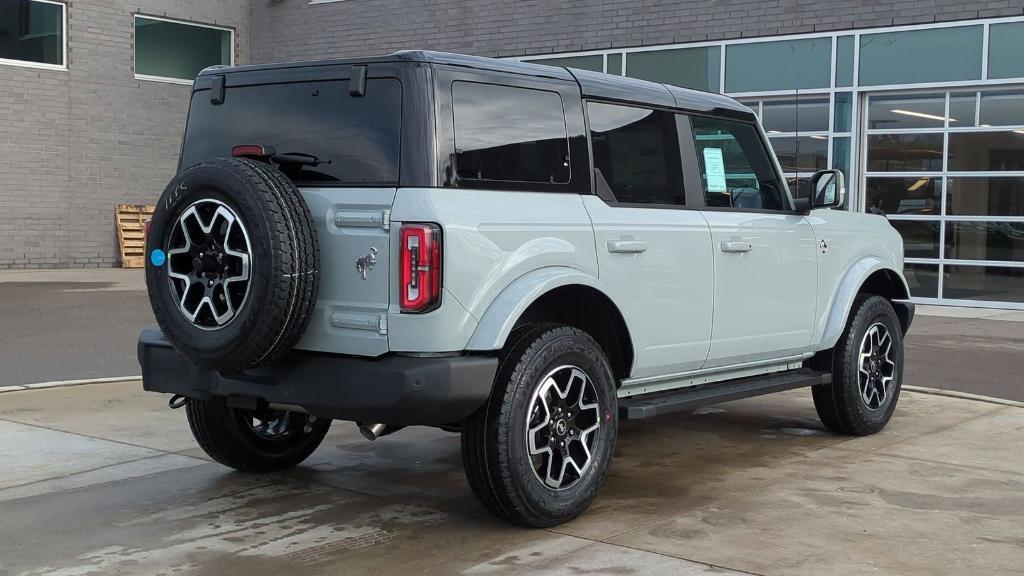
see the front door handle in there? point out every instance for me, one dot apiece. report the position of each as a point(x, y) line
point(736, 246)
point(627, 246)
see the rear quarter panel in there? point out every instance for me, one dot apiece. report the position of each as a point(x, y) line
point(490, 239)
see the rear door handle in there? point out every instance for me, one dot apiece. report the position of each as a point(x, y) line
point(627, 246)
point(736, 246)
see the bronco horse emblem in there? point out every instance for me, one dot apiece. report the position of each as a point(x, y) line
point(365, 263)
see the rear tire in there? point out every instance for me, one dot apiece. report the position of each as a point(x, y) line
point(867, 370)
point(230, 437)
point(537, 452)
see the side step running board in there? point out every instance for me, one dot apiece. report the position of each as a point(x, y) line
point(650, 405)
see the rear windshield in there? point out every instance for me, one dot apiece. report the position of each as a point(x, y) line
point(355, 138)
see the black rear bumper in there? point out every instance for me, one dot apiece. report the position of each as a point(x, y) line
point(397, 390)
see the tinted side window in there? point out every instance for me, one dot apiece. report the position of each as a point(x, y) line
point(504, 133)
point(734, 165)
point(356, 139)
point(636, 154)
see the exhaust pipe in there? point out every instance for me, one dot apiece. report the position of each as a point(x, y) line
point(372, 431)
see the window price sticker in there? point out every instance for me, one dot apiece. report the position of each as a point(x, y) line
point(714, 166)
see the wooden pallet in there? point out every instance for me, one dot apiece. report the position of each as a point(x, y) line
point(131, 221)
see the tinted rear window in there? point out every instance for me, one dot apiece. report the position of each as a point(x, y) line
point(509, 134)
point(356, 138)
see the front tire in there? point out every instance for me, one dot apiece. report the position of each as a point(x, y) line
point(537, 452)
point(867, 370)
point(253, 440)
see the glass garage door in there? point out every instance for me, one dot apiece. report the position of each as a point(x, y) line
point(947, 168)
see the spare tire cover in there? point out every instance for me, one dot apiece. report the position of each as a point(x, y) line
point(232, 263)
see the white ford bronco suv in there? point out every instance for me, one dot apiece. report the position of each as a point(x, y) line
point(522, 254)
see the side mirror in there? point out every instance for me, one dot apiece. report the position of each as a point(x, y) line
point(828, 189)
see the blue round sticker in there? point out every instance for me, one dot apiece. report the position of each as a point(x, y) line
point(157, 257)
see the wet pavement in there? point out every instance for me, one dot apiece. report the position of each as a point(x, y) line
point(104, 479)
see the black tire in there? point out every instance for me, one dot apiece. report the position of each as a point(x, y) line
point(495, 449)
point(284, 264)
point(226, 436)
point(841, 405)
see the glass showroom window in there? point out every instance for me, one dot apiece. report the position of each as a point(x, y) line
point(32, 33)
point(947, 168)
point(177, 51)
point(808, 134)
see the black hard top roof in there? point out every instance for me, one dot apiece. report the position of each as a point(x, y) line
point(592, 84)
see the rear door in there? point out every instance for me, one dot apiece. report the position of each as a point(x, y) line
point(356, 139)
point(764, 253)
point(653, 249)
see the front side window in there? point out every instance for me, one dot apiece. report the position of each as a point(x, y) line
point(176, 50)
point(636, 154)
point(32, 32)
point(509, 134)
point(735, 166)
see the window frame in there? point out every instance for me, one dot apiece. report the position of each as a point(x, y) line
point(167, 79)
point(684, 138)
point(63, 66)
point(773, 162)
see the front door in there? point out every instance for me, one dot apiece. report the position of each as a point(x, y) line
point(764, 253)
point(653, 250)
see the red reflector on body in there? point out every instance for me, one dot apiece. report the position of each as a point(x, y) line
point(419, 275)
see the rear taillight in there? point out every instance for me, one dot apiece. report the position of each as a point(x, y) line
point(419, 275)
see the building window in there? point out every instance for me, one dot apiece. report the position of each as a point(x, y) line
point(915, 56)
point(32, 33)
point(508, 134)
point(1005, 45)
point(779, 65)
point(946, 168)
point(594, 63)
point(177, 51)
point(697, 68)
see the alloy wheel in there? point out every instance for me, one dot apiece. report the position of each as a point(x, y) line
point(562, 421)
point(876, 368)
point(209, 264)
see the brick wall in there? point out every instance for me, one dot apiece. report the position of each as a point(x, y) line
point(294, 29)
point(75, 143)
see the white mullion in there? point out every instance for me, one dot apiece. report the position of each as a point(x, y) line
point(984, 50)
point(604, 63)
point(959, 218)
point(721, 68)
point(986, 263)
point(832, 77)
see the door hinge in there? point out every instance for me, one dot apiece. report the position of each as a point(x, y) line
point(382, 325)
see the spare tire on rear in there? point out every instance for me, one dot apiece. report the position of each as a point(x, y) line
point(232, 263)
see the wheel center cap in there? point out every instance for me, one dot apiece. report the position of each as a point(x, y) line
point(561, 427)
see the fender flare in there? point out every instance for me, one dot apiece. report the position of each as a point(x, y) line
point(842, 300)
point(505, 310)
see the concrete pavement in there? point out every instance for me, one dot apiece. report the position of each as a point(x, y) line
point(105, 479)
